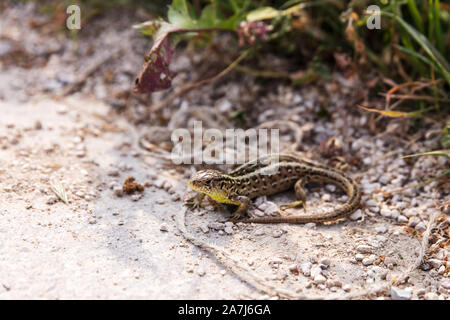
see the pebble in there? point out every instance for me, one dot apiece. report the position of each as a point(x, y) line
point(385, 212)
point(319, 279)
point(259, 232)
point(401, 294)
point(364, 248)
point(356, 215)
point(163, 227)
point(413, 221)
point(113, 173)
point(435, 263)
point(51, 200)
point(441, 270)
point(371, 203)
point(277, 233)
point(216, 225)
point(201, 272)
point(421, 227)
point(446, 284)
point(118, 191)
point(402, 219)
point(270, 208)
point(306, 269)
point(368, 261)
point(359, 257)
point(293, 268)
point(310, 225)
point(381, 229)
point(137, 196)
point(347, 288)
point(325, 261)
point(204, 228)
point(160, 201)
point(258, 213)
point(176, 197)
point(430, 296)
point(228, 230)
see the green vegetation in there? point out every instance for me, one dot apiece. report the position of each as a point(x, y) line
point(411, 44)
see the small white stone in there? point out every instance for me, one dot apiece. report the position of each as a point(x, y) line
point(347, 288)
point(277, 233)
point(381, 229)
point(446, 284)
point(401, 294)
point(293, 267)
point(359, 257)
point(319, 279)
point(163, 227)
point(306, 269)
point(385, 212)
point(259, 232)
point(402, 219)
point(201, 272)
point(356, 215)
point(368, 261)
point(228, 230)
point(216, 225)
point(413, 221)
point(421, 227)
point(430, 296)
point(441, 270)
point(364, 248)
point(371, 203)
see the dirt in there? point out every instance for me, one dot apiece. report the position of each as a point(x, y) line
point(68, 121)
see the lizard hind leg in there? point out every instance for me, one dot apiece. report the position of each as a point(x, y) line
point(299, 194)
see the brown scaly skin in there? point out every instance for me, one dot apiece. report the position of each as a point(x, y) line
point(266, 176)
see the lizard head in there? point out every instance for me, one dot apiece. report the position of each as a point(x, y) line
point(206, 181)
point(213, 183)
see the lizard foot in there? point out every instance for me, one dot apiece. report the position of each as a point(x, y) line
point(293, 205)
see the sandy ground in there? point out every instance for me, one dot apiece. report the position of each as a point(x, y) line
point(105, 244)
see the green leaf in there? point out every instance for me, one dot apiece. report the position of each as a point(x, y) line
point(424, 43)
point(415, 14)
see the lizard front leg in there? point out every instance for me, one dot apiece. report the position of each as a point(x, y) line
point(243, 202)
point(196, 201)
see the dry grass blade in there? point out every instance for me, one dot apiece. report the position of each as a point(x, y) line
point(59, 190)
point(395, 114)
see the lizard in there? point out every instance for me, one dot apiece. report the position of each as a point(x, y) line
point(272, 174)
